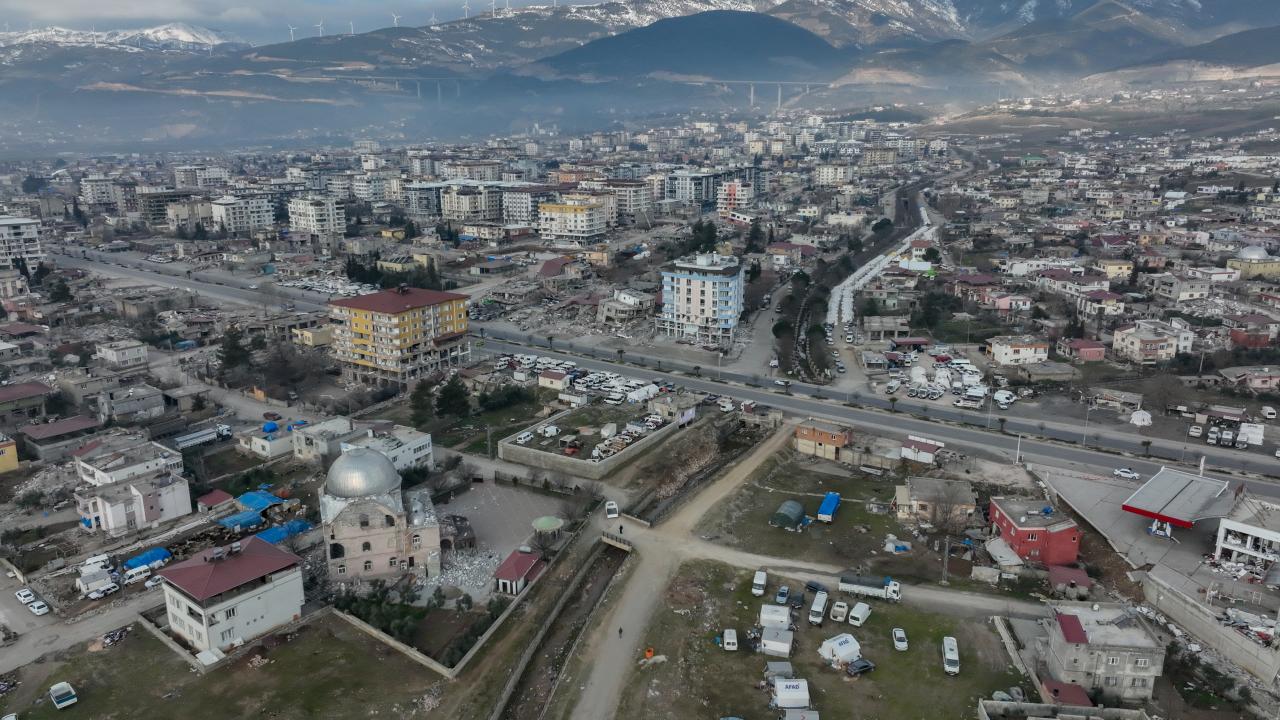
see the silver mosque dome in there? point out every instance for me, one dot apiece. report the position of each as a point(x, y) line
point(361, 472)
point(1253, 252)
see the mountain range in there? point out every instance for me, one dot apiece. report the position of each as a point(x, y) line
point(593, 64)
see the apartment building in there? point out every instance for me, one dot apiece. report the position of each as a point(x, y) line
point(467, 203)
point(520, 204)
point(1035, 531)
point(395, 336)
point(1105, 650)
point(406, 447)
point(822, 439)
point(734, 196)
point(20, 239)
point(1148, 342)
point(200, 176)
point(226, 596)
point(97, 191)
point(319, 220)
point(581, 220)
point(635, 199)
point(488, 170)
point(243, 213)
point(702, 299)
point(186, 214)
point(832, 175)
point(122, 354)
point(1176, 289)
point(154, 202)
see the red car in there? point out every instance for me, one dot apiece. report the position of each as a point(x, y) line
point(272, 415)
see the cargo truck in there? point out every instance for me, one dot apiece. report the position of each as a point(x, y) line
point(830, 503)
point(884, 588)
point(202, 437)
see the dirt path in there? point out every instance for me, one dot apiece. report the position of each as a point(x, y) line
point(663, 548)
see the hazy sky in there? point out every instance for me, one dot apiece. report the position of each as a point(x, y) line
point(254, 21)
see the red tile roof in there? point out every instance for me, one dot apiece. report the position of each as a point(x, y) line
point(214, 498)
point(202, 577)
point(394, 302)
point(921, 446)
point(23, 391)
point(20, 328)
point(517, 565)
point(1072, 631)
point(66, 426)
point(1063, 575)
point(1067, 693)
point(553, 267)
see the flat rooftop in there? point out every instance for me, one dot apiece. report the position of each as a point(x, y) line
point(1031, 513)
point(1108, 625)
point(1181, 498)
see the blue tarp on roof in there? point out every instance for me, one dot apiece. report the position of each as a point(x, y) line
point(148, 557)
point(280, 533)
point(246, 519)
point(258, 500)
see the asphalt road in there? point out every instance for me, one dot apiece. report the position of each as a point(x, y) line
point(218, 286)
point(949, 425)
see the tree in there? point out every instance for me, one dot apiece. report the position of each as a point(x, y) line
point(32, 184)
point(1002, 422)
point(755, 236)
point(454, 399)
point(60, 292)
point(77, 214)
point(410, 230)
point(780, 328)
point(621, 352)
point(893, 404)
point(932, 255)
point(232, 351)
point(870, 308)
point(1146, 447)
point(697, 370)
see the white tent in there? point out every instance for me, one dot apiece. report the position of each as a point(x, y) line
point(1141, 418)
point(791, 693)
point(777, 669)
point(794, 714)
point(776, 617)
point(1251, 433)
point(776, 642)
point(842, 648)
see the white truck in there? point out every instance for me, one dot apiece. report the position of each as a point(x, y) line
point(202, 437)
point(884, 588)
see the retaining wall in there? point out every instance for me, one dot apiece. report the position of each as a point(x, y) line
point(555, 462)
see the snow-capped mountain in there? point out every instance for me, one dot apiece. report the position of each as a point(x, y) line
point(172, 36)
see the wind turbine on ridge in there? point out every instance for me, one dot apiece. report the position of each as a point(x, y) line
point(466, 9)
point(291, 29)
point(395, 20)
point(351, 25)
point(493, 8)
point(320, 27)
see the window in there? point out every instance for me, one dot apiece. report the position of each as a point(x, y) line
point(336, 551)
point(1138, 682)
point(226, 634)
point(366, 547)
point(368, 565)
point(1112, 681)
point(1142, 662)
point(1113, 661)
point(364, 521)
point(391, 563)
point(417, 542)
point(231, 612)
point(389, 520)
point(342, 569)
point(1032, 536)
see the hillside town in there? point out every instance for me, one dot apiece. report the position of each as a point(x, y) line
point(584, 425)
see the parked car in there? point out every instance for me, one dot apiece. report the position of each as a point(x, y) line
point(611, 510)
point(153, 581)
point(858, 667)
point(899, 639)
point(1195, 431)
point(272, 416)
point(839, 611)
point(814, 586)
point(1126, 474)
point(782, 383)
point(104, 591)
point(784, 592)
point(25, 596)
point(38, 607)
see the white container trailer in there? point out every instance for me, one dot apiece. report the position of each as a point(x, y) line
point(776, 643)
point(776, 617)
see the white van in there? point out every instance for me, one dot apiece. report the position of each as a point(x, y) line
point(730, 639)
point(1268, 412)
point(818, 610)
point(102, 562)
point(137, 574)
point(950, 656)
point(859, 614)
point(524, 437)
point(613, 399)
point(758, 583)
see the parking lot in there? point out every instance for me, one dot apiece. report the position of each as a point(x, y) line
point(17, 616)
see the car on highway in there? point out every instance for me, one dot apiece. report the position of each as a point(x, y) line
point(782, 383)
point(899, 639)
point(104, 591)
point(611, 510)
point(784, 592)
point(1126, 474)
point(25, 596)
point(253, 287)
point(38, 607)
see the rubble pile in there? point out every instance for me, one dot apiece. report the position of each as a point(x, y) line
point(468, 570)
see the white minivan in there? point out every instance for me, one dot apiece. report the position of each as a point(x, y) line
point(730, 639)
point(524, 437)
point(758, 583)
point(137, 574)
point(950, 656)
point(859, 614)
point(1268, 412)
point(818, 610)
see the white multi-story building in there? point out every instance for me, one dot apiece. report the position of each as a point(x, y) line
point(468, 203)
point(832, 175)
point(578, 220)
point(370, 187)
point(520, 203)
point(322, 220)
point(20, 238)
point(226, 596)
point(635, 197)
point(470, 170)
point(97, 190)
point(123, 455)
point(122, 354)
point(702, 298)
point(406, 447)
point(200, 176)
point(421, 200)
point(243, 213)
point(734, 196)
point(187, 214)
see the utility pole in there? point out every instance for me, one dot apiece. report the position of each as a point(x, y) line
point(946, 557)
point(488, 434)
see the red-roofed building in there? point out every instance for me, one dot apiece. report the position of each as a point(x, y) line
point(517, 571)
point(1034, 531)
point(396, 336)
point(559, 271)
point(52, 441)
point(214, 500)
point(23, 400)
point(1071, 629)
point(1104, 650)
point(1066, 694)
point(226, 596)
point(553, 379)
point(1082, 350)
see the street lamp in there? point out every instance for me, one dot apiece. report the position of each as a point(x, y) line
point(1084, 433)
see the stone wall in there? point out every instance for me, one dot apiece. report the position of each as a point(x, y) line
point(509, 451)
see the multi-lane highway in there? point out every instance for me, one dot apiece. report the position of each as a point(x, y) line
point(954, 427)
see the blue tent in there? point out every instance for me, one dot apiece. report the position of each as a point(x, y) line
point(154, 555)
point(246, 519)
point(257, 500)
point(280, 533)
